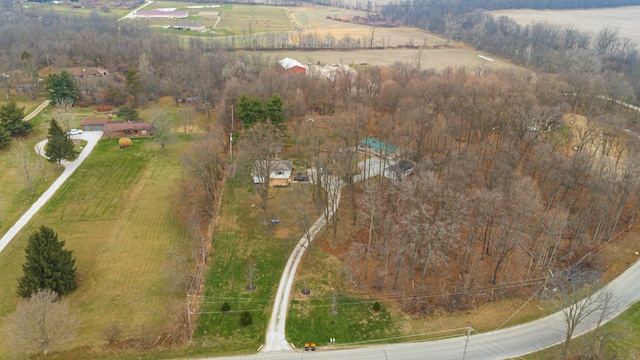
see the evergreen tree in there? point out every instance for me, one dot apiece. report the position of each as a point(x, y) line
point(128, 114)
point(11, 119)
point(48, 265)
point(59, 145)
point(274, 110)
point(250, 111)
point(5, 138)
point(62, 87)
point(133, 85)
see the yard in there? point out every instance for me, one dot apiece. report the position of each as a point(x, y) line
point(118, 215)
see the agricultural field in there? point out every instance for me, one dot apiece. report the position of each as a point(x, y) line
point(438, 59)
point(593, 20)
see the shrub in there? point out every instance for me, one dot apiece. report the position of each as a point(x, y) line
point(104, 108)
point(245, 318)
point(225, 308)
point(124, 142)
point(112, 332)
point(376, 306)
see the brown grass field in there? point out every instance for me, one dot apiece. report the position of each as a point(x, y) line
point(626, 18)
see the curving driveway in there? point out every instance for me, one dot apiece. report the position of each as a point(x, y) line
point(92, 138)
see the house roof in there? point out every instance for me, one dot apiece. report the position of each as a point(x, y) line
point(94, 121)
point(379, 145)
point(188, 23)
point(288, 63)
point(276, 165)
point(158, 12)
point(402, 166)
point(127, 125)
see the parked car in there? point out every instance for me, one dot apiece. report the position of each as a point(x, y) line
point(75, 132)
point(300, 177)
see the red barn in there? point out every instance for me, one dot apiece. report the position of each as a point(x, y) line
point(291, 66)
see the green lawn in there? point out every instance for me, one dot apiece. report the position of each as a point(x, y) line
point(241, 19)
point(623, 339)
point(117, 214)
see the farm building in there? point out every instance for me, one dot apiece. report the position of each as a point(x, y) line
point(279, 172)
point(332, 72)
point(189, 25)
point(291, 66)
point(93, 124)
point(128, 129)
point(377, 147)
point(160, 14)
point(400, 170)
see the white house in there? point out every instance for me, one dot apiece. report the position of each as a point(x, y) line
point(400, 170)
point(279, 172)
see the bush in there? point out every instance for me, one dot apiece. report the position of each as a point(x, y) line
point(112, 332)
point(104, 108)
point(245, 318)
point(124, 142)
point(376, 306)
point(225, 308)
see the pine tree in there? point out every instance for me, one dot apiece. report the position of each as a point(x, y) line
point(5, 138)
point(11, 119)
point(274, 110)
point(48, 265)
point(59, 145)
point(62, 87)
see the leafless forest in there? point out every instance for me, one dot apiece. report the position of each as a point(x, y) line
point(510, 182)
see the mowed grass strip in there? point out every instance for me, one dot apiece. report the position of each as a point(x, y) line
point(241, 234)
point(117, 214)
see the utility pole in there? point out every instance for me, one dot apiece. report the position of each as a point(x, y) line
point(464, 355)
point(231, 138)
point(189, 317)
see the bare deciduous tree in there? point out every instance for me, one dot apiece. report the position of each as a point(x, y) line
point(40, 324)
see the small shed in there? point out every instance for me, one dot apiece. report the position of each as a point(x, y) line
point(400, 170)
point(279, 172)
point(93, 124)
point(291, 66)
point(128, 129)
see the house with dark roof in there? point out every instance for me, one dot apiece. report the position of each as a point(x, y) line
point(128, 129)
point(185, 24)
point(93, 124)
point(400, 170)
point(279, 172)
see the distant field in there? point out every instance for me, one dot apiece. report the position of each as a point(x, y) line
point(626, 18)
point(429, 58)
point(247, 18)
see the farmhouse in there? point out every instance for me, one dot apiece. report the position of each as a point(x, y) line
point(93, 124)
point(291, 66)
point(160, 14)
point(400, 170)
point(128, 129)
point(279, 172)
point(377, 147)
